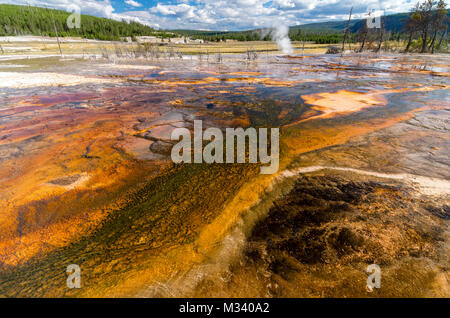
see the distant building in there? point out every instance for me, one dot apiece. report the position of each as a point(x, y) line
point(181, 40)
point(149, 39)
point(177, 40)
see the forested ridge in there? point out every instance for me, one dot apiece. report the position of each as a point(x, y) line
point(28, 20)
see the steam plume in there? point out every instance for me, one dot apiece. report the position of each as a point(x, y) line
point(280, 34)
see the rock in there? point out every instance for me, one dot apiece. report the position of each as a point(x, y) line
point(333, 50)
point(161, 147)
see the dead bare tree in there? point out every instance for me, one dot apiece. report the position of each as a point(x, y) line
point(381, 35)
point(439, 22)
point(444, 35)
point(304, 40)
point(104, 52)
point(363, 32)
point(57, 37)
point(347, 29)
point(251, 54)
point(425, 10)
point(118, 50)
point(412, 25)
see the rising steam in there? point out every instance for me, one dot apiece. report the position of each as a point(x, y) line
point(280, 34)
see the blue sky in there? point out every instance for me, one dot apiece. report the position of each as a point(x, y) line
point(223, 14)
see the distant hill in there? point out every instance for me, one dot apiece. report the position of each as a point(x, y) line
point(331, 27)
point(392, 23)
point(27, 20)
point(322, 32)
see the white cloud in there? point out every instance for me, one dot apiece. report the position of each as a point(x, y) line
point(133, 3)
point(228, 14)
point(284, 3)
point(185, 13)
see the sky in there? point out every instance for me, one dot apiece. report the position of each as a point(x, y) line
point(226, 15)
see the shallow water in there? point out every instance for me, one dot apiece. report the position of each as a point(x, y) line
point(105, 135)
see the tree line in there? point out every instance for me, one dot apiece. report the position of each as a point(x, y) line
point(28, 20)
point(320, 37)
point(427, 26)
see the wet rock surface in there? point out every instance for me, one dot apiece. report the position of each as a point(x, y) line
point(330, 219)
point(418, 146)
point(319, 239)
point(137, 219)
